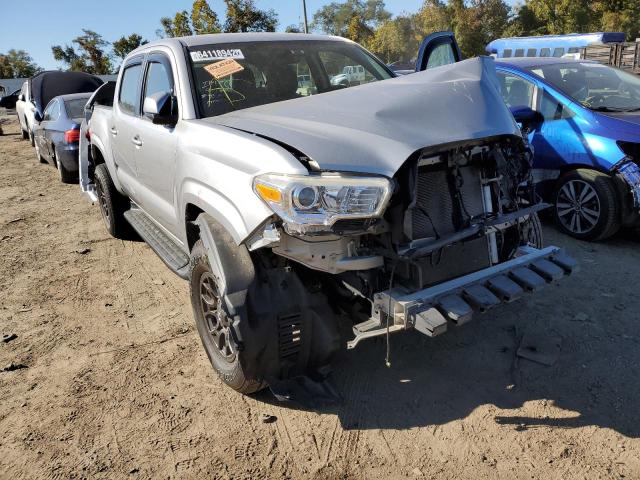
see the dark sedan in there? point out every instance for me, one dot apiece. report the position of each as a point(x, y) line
point(9, 101)
point(57, 134)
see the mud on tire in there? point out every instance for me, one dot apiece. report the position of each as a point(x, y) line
point(226, 362)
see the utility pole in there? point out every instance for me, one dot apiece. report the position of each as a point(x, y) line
point(304, 12)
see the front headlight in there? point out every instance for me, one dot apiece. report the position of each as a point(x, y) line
point(311, 204)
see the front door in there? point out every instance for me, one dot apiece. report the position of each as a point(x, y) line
point(438, 49)
point(156, 148)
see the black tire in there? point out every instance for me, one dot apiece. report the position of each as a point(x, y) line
point(225, 361)
point(25, 135)
point(65, 175)
point(112, 203)
point(586, 205)
point(32, 139)
point(38, 156)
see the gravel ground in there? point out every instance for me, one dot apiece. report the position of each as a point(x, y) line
point(109, 380)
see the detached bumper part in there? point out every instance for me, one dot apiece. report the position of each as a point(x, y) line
point(630, 172)
point(430, 310)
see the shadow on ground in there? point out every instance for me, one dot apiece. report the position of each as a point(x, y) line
point(435, 381)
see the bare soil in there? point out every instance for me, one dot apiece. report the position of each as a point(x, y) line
point(116, 383)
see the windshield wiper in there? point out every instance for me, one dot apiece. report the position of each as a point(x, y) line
point(603, 108)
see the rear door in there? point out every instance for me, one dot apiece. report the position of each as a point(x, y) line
point(124, 122)
point(438, 49)
point(156, 147)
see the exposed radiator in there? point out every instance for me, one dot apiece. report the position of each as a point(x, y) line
point(436, 211)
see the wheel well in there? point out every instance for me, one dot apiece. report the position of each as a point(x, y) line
point(96, 155)
point(193, 232)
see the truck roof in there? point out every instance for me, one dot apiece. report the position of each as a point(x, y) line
point(196, 40)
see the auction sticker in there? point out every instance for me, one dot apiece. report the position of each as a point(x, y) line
point(223, 68)
point(216, 54)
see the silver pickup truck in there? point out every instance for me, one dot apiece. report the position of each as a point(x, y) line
point(400, 203)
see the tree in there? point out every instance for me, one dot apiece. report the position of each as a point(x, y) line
point(91, 56)
point(178, 26)
point(125, 45)
point(17, 64)
point(350, 17)
point(293, 29)
point(396, 40)
point(243, 16)
point(203, 19)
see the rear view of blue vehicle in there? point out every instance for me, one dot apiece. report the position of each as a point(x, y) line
point(586, 140)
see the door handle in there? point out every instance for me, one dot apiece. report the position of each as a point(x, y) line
point(136, 141)
point(114, 132)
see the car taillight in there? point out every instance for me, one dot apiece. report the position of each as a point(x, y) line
point(72, 136)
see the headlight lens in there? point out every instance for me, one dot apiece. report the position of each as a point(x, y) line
point(311, 204)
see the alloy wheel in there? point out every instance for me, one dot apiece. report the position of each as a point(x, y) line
point(578, 206)
point(216, 319)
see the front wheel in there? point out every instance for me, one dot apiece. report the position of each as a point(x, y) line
point(586, 205)
point(215, 326)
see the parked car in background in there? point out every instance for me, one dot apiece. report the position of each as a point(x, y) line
point(57, 134)
point(37, 92)
point(25, 109)
point(398, 204)
point(586, 141)
point(351, 75)
point(9, 101)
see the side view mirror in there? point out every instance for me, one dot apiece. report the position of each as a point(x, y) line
point(37, 116)
point(21, 97)
point(526, 115)
point(160, 108)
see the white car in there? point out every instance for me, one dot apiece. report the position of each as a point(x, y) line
point(351, 75)
point(25, 108)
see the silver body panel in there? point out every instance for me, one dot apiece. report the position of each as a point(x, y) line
point(210, 163)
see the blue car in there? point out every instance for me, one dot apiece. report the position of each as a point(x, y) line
point(583, 120)
point(586, 137)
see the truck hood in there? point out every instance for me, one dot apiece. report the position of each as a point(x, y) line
point(374, 128)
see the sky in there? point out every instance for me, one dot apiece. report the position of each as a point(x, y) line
point(36, 25)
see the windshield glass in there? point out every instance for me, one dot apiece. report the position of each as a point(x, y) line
point(75, 107)
point(598, 87)
point(233, 76)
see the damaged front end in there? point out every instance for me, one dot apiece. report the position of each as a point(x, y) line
point(459, 234)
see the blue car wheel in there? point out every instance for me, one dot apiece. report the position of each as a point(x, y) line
point(586, 205)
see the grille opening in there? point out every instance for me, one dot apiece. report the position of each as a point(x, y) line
point(289, 335)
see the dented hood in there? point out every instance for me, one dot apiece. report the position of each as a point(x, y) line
point(374, 128)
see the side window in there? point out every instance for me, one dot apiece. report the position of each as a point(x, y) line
point(545, 52)
point(52, 112)
point(441, 55)
point(558, 52)
point(129, 97)
point(532, 52)
point(519, 52)
point(573, 50)
point(553, 109)
point(507, 52)
point(158, 79)
point(516, 91)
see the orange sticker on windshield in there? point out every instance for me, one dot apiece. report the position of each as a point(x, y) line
point(223, 68)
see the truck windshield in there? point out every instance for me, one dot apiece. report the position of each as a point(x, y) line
point(595, 86)
point(233, 76)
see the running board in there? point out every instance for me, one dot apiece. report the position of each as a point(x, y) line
point(168, 251)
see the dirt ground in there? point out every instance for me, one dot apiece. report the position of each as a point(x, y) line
point(117, 384)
